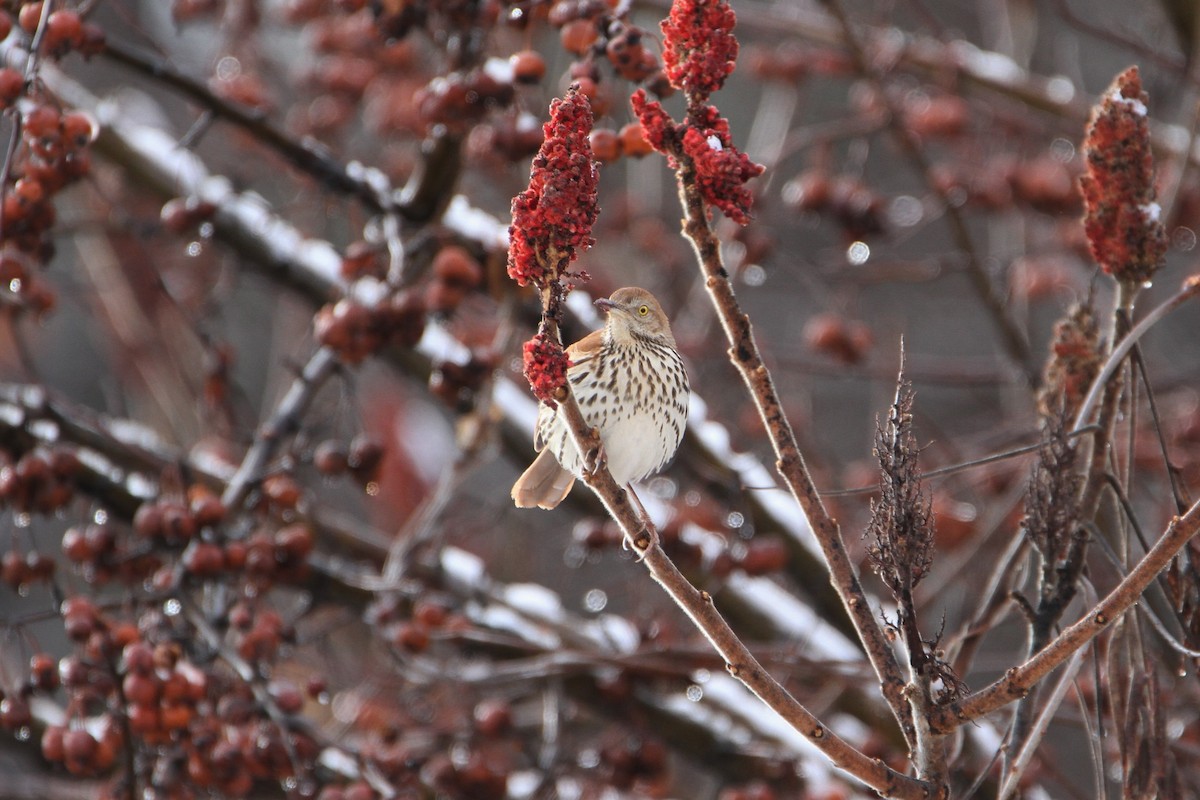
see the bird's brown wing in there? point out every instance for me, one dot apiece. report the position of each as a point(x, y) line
point(583, 350)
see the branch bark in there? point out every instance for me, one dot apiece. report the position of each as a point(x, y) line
point(744, 354)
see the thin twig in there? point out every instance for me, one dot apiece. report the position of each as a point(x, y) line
point(1018, 765)
point(283, 422)
point(1190, 288)
point(962, 466)
point(1179, 489)
point(1156, 54)
point(307, 157)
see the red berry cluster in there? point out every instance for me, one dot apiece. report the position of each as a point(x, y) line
point(40, 481)
point(705, 144)
point(275, 556)
point(553, 218)
point(169, 522)
point(65, 31)
point(459, 101)
point(362, 459)
point(699, 48)
point(507, 138)
point(790, 64)
point(598, 31)
point(102, 555)
point(19, 570)
point(472, 763)
point(229, 759)
point(53, 154)
point(408, 625)
point(161, 690)
point(590, 30)
point(457, 384)
point(479, 777)
point(258, 632)
point(192, 727)
point(371, 69)
point(456, 273)
point(357, 330)
point(358, 74)
point(1123, 220)
point(759, 556)
point(629, 760)
point(854, 206)
point(721, 171)
point(545, 367)
point(1043, 183)
point(609, 145)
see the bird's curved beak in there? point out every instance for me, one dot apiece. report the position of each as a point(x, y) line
point(605, 305)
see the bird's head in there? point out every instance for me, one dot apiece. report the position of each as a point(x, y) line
point(635, 313)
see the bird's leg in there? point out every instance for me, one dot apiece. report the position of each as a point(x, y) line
point(641, 541)
point(595, 455)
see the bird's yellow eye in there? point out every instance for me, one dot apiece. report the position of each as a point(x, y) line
point(643, 310)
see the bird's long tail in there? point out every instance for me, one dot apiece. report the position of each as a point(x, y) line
point(544, 484)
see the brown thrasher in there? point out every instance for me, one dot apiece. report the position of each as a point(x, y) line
point(631, 386)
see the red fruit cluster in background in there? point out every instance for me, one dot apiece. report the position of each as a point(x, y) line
point(590, 30)
point(461, 100)
point(790, 63)
point(133, 687)
point(65, 31)
point(53, 153)
point(356, 330)
point(609, 145)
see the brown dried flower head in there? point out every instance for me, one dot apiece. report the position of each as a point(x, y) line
point(1075, 360)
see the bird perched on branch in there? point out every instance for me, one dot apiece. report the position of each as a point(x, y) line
point(631, 386)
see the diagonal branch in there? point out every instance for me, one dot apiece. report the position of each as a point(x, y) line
point(420, 201)
point(744, 354)
point(285, 420)
point(1017, 682)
